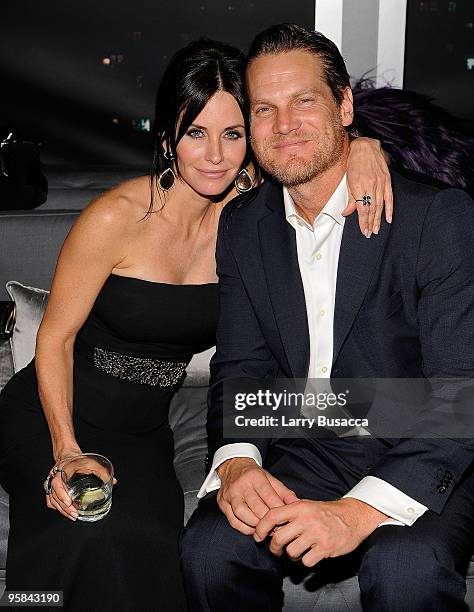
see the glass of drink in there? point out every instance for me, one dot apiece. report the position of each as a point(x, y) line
point(88, 479)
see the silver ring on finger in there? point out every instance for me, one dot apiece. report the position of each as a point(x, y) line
point(47, 483)
point(366, 199)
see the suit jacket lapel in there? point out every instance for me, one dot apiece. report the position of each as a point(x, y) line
point(280, 263)
point(358, 259)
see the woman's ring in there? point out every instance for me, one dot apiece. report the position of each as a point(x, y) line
point(366, 200)
point(49, 478)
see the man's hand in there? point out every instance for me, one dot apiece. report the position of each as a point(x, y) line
point(314, 530)
point(248, 492)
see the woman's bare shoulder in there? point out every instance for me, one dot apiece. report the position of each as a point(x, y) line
point(127, 202)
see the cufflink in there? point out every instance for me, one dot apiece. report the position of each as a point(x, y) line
point(444, 482)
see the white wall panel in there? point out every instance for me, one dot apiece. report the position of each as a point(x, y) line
point(391, 42)
point(369, 33)
point(328, 19)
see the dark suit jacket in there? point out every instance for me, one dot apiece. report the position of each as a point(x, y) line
point(404, 308)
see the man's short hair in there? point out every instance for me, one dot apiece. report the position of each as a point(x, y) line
point(286, 37)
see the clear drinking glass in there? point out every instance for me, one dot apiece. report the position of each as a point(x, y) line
point(88, 479)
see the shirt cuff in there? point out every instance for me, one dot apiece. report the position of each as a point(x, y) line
point(378, 493)
point(228, 451)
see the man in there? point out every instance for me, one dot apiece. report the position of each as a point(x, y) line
point(303, 295)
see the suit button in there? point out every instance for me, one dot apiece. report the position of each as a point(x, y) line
point(448, 475)
point(441, 489)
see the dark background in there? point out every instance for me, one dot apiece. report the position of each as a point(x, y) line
point(439, 45)
point(81, 76)
point(86, 112)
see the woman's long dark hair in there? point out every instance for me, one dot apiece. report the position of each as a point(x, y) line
point(417, 135)
point(194, 74)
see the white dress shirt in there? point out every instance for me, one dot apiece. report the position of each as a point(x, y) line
point(318, 247)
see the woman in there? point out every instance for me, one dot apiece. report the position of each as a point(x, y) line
point(133, 297)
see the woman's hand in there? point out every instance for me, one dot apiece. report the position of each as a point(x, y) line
point(367, 173)
point(59, 498)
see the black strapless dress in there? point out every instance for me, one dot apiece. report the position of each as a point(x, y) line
point(129, 360)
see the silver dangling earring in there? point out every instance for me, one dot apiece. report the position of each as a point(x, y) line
point(167, 178)
point(243, 181)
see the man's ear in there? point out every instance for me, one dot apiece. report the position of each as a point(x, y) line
point(347, 107)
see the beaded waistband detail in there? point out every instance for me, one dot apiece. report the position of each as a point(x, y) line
point(142, 370)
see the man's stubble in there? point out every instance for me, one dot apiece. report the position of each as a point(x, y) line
point(296, 170)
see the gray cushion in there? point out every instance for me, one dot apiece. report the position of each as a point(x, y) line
point(342, 596)
point(70, 199)
point(99, 178)
point(30, 304)
point(4, 527)
point(74, 189)
point(31, 241)
point(197, 372)
point(6, 363)
point(187, 417)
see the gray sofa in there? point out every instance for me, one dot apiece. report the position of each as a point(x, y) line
point(30, 242)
